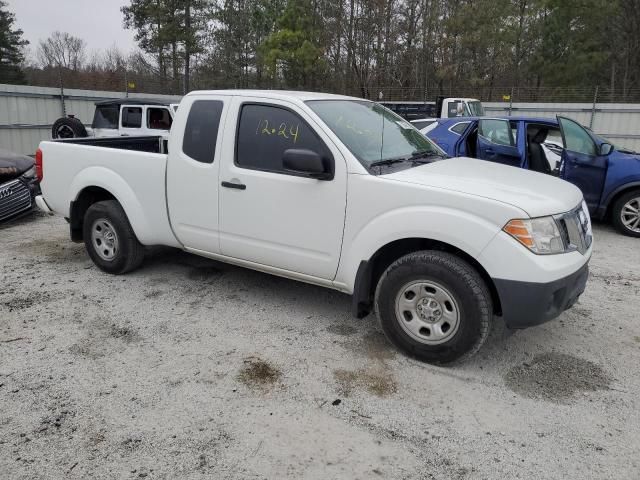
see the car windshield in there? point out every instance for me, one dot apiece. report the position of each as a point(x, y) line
point(373, 133)
point(475, 109)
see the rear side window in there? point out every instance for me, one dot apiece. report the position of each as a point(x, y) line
point(266, 131)
point(459, 128)
point(201, 131)
point(106, 117)
point(158, 118)
point(422, 124)
point(132, 117)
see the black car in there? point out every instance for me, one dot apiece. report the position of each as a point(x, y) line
point(18, 184)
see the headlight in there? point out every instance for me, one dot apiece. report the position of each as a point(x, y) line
point(31, 173)
point(540, 235)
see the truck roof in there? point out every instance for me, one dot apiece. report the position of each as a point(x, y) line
point(130, 101)
point(283, 94)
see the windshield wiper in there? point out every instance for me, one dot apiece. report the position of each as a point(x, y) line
point(425, 154)
point(388, 161)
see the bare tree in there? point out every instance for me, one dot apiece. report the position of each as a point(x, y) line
point(62, 50)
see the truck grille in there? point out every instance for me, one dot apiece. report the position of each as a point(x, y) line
point(575, 227)
point(15, 198)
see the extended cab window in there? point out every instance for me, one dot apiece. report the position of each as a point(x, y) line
point(132, 117)
point(158, 118)
point(201, 131)
point(106, 117)
point(266, 131)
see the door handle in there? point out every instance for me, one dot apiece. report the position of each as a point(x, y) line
point(238, 186)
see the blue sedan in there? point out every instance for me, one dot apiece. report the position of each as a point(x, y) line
point(608, 176)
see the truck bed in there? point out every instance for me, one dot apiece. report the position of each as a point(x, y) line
point(135, 177)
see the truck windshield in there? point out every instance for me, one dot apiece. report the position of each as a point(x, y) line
point(373, 133)
point(475, 109)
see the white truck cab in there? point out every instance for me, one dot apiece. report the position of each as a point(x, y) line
point(338, 192)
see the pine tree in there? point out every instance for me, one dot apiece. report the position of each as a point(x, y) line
point(11, 43)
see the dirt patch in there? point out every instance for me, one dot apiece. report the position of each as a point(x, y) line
point(258, 373)
point(86, 348)
point(27, 301)
point(341, 329)
point(374, 345)
point(381, 384)
point(204, 273)
point(56, 250)
point(126, 334)
point(153, 293)
point(556, 377)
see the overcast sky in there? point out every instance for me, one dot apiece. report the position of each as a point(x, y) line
point(97, 22)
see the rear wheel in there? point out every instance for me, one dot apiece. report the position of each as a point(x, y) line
point(434, 306)
point(625, 214)
point(109, 238)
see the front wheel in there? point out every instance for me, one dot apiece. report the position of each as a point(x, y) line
point(625, 214)
point(109, 238)
point(434, 306)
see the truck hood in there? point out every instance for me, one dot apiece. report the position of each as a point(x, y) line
point(535, 193)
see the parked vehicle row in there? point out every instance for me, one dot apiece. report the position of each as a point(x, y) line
point(443, 107)
point(338, 192)
point(608, 176)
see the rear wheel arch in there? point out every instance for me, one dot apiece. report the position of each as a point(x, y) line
point(370, 271)
point(87, 197)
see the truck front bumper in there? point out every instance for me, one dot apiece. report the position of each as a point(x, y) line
point(525, 304)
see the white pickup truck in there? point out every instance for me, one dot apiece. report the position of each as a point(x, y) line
point(339, 192)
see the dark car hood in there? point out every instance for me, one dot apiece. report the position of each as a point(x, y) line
point(12, 165)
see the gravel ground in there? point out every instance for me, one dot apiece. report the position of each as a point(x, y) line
point(188, 368)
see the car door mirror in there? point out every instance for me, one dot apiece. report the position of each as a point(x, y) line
point(308, 163)
point(606, 149)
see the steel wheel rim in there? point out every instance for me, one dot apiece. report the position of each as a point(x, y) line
point(427, 312)
point(64, 131)
point(630, 215)
point(104, 239)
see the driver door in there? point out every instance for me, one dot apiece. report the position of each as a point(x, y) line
point(496, 142)
point(581, 163)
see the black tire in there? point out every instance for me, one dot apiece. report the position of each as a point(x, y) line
point(67, 127)
point(458, 279)
point(128, 253)
point(617, 213)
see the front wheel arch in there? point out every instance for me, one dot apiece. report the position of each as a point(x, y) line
point(370, 271)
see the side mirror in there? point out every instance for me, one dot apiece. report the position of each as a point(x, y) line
point(606, 149)
point(308, 163)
